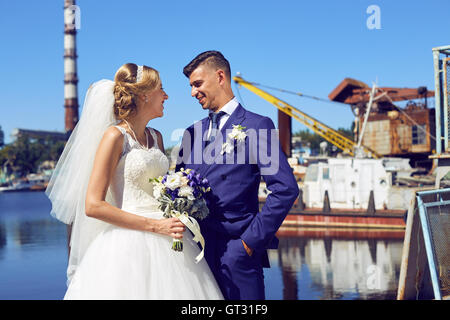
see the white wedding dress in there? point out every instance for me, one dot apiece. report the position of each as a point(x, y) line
point(128, 264)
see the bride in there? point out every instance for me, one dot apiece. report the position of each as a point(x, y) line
point(120, 245)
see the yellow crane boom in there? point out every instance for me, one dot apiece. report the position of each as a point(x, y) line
point(329, 134)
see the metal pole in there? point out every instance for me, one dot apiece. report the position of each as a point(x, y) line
point(285, 127)
point(437, 100)
point(366, 116)
point(429, 248)
point(445, 100)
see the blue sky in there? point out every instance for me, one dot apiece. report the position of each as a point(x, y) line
point(306, 46)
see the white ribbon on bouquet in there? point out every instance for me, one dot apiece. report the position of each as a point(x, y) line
point(194, 227)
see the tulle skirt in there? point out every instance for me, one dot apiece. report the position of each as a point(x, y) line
point(128, 264)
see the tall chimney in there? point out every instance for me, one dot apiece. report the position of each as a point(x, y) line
point(71, 16)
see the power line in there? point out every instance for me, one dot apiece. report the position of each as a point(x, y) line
point(314, 97)
point(297, 93)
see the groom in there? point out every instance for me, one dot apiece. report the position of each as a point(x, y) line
point(233, 148)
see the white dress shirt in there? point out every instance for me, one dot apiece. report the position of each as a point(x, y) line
point(228, 108)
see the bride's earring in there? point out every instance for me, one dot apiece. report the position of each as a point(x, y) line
point(146, 99)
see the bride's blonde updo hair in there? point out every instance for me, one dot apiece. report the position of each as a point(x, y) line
point(126, 89)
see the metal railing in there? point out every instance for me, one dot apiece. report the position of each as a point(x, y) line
point(434, 212)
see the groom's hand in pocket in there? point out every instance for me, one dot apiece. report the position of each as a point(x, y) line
point(247, 248)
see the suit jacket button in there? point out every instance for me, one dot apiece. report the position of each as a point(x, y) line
point(223, 176)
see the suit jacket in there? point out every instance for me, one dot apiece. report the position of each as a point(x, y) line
point(235, 176)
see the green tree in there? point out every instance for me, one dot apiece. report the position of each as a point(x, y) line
point(27, 155)
point(2, 137)
point(310, 138)
point(314, 140)
point(24, 155)
point(55, 150)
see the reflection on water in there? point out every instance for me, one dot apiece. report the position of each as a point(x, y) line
point(33, 253)
point(325, 263)
point(309, 264)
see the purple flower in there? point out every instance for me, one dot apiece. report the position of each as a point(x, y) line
point(191, 175)
point(196, 193)
point(173, 193)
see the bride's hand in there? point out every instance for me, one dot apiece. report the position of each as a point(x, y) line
point(172, 227)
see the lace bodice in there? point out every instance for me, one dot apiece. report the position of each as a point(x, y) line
point(130, 186)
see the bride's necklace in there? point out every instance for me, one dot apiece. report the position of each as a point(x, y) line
point(134, 135)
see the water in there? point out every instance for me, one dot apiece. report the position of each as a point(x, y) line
point(338, 264)
point(309, 264)
point(33, 254)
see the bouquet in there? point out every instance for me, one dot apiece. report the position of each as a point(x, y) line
point(181, 195)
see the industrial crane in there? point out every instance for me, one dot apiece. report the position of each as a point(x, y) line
point(329, 134)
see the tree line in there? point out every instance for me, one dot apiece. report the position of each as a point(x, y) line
point(27, 154)
point(313, 140)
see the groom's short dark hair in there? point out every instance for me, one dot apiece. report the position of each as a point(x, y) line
point(213, 58)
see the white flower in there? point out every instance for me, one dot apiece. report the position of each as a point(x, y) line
point(226, 148)
point(237, 133)
point(232, 135)
point(157, 189)
point(184, 181)
point(173, 181)
point(186, 191)
point(240, 137)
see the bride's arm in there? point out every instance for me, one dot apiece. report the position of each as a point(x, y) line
point(106, 159)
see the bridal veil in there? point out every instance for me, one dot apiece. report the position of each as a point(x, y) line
point(68, 184)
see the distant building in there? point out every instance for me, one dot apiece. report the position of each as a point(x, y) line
point(391, 131)
point(38, 134)
point(300, 149)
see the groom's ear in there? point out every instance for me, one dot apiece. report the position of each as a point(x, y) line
point(222, 76)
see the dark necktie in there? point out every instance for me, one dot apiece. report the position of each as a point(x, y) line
point(215, 119)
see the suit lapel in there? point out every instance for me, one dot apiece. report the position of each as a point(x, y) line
point(236, 118)
point(205, 126)
point(200, 143)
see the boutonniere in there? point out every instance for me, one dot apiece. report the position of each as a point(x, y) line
point(237, 134)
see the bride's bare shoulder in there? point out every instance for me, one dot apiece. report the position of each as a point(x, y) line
point(113, 136)
point(114, 132)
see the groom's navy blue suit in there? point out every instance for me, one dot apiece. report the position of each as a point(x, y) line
point(234, 178)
